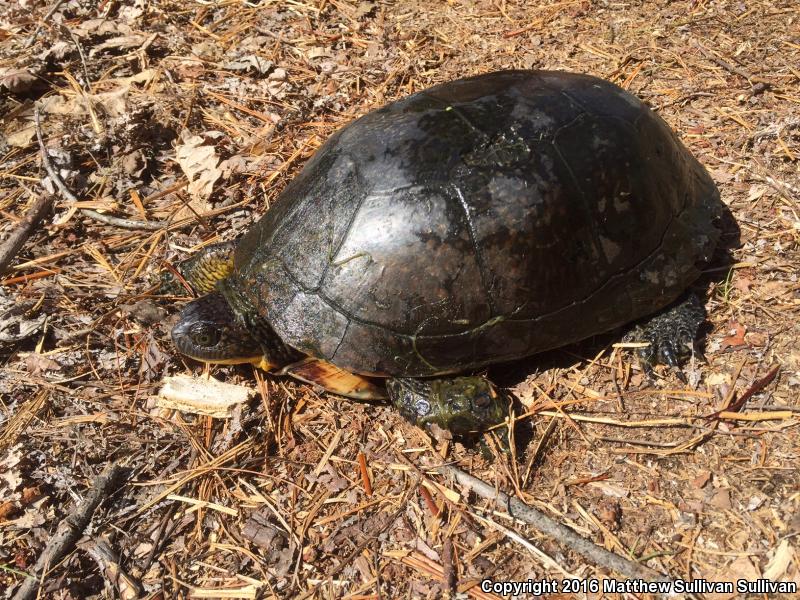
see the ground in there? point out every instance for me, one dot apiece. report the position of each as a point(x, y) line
point(184, 120)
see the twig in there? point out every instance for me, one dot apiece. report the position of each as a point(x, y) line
point(362, 467)
point(70, 529)
point(49, 14)
point(65, 191)
point(86, 81)
point(448, 565)
point(164, 531)
point(562, 533)
point(732, 68)
point(100, 550)
point(757, 387)
point(15, 241)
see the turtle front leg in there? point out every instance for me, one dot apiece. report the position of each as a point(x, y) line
point(462, 405)
point(671, 335)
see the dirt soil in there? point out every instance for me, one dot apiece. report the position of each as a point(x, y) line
point(173, 125)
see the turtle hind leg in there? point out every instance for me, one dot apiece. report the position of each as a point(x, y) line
point(462, 405)
point(671, 335)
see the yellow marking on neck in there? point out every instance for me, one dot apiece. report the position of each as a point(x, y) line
point(263, 364)
point(259, 362)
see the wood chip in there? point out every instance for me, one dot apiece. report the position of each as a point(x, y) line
point(201, 396)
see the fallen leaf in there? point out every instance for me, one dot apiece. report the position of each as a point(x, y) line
point(21, 138)
point(200, 163)
point(17, 81)
point(701, 480)
point(736, 338)
point(721, 499)
point(250, 62)
point(125, 41)
point(742, 283)
point(38, 364)
point(779, 563)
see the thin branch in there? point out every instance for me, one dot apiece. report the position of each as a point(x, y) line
point(65, 191)
point(76, 42)
point(563, 534)
point(127, 587)
point(49, 14)
point(70, 529)
point(732, 68)
point(18, 237)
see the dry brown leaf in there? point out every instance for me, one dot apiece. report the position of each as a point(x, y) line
point(200, 163)
point(736, 338)
point(114, 101)
point(17, 80)
point(779, 563)
point(38, 364)
point(701, 480)
point(741, 568)
point(125, 41)
point(721, 499)
point(21, 138)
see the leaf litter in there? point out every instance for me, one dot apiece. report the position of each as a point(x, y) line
point(197, 115)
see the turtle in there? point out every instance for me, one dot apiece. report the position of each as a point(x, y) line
point(475, 222)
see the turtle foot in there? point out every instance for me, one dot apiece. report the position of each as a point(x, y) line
point(671, 335)
point(462, 405)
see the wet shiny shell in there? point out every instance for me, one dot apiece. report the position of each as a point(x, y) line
point(480, 221)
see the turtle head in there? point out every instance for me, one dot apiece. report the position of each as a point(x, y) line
point(209, 331)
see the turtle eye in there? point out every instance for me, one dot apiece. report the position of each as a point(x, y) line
point(204, 335)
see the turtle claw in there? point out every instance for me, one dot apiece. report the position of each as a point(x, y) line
point(670, 335)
